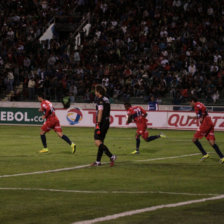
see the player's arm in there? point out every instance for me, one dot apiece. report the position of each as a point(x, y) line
point(46, 111)
point(99, 118)
point(144, 113)
point(42, 109)
point(198, 114)
point(193, 117)
point(99, 115)
point(129, 119)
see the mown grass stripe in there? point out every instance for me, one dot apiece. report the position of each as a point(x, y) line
point(149, 209)
point(88, 165)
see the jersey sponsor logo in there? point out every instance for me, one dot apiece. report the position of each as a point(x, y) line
point(74, 116)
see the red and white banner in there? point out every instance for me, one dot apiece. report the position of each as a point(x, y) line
point(156, 119)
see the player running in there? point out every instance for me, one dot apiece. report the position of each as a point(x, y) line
point(51, 122)
point(138, 115)
point(206, 129)
point(102, 125)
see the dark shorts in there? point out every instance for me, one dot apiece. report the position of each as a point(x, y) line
point(103, 131)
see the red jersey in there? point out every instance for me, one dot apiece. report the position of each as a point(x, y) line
point(137, 114)
point(206, 128)
point(48, 109)
point(200, 110)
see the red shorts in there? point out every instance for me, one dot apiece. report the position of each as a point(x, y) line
point(52, 123)
point(206, 129)
point(142, 129)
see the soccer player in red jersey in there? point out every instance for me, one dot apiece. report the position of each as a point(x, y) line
point(138, 115)
point(206, 129)
point(51, 122)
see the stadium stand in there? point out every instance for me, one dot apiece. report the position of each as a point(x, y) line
point(166, 48)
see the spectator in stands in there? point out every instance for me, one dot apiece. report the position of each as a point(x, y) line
point(10, 78)
point(73, 92)
point(31, 88)
point(66, 100)
point(187, 42)
point(153, 104)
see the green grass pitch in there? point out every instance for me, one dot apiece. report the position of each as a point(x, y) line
point(135, 182)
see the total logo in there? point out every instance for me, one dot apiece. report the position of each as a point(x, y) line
point(74, 116)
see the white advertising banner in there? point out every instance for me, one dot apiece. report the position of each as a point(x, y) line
point(156, 119)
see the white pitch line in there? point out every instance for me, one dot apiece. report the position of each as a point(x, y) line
point(46, 171)
point(51, 190)
point(85, 166)
point(149, 209)
point(102, 192)
point(171, 157)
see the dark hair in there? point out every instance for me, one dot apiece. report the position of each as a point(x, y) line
point(194, 98)
point(100, 89)
point(40, 94)
point(127, 104)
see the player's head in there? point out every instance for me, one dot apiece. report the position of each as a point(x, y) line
point(100, 90)
point(193, 100)
point(127, 106)
point(40, 96)
point(152, 98)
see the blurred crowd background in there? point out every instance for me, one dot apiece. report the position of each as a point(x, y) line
point(168, 49)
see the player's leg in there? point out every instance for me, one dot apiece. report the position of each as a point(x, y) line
point(218, 151)
point(99, 142)
point(43, 131)
point(64, 137)
point(137, 137)
point(205, 130)
point(141, 127)
point(200, 147)
point(146, 137)
point(104, 128)
point(59, 132)
point(103, 149)
point(210, 136)
point(151, 138)
point(99, 155)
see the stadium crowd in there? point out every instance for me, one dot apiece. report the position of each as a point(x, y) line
point(134, 48)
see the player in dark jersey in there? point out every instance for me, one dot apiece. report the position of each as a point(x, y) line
point(138, 115)
point(102, 125)
point(206, 129)
point(51, 122)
